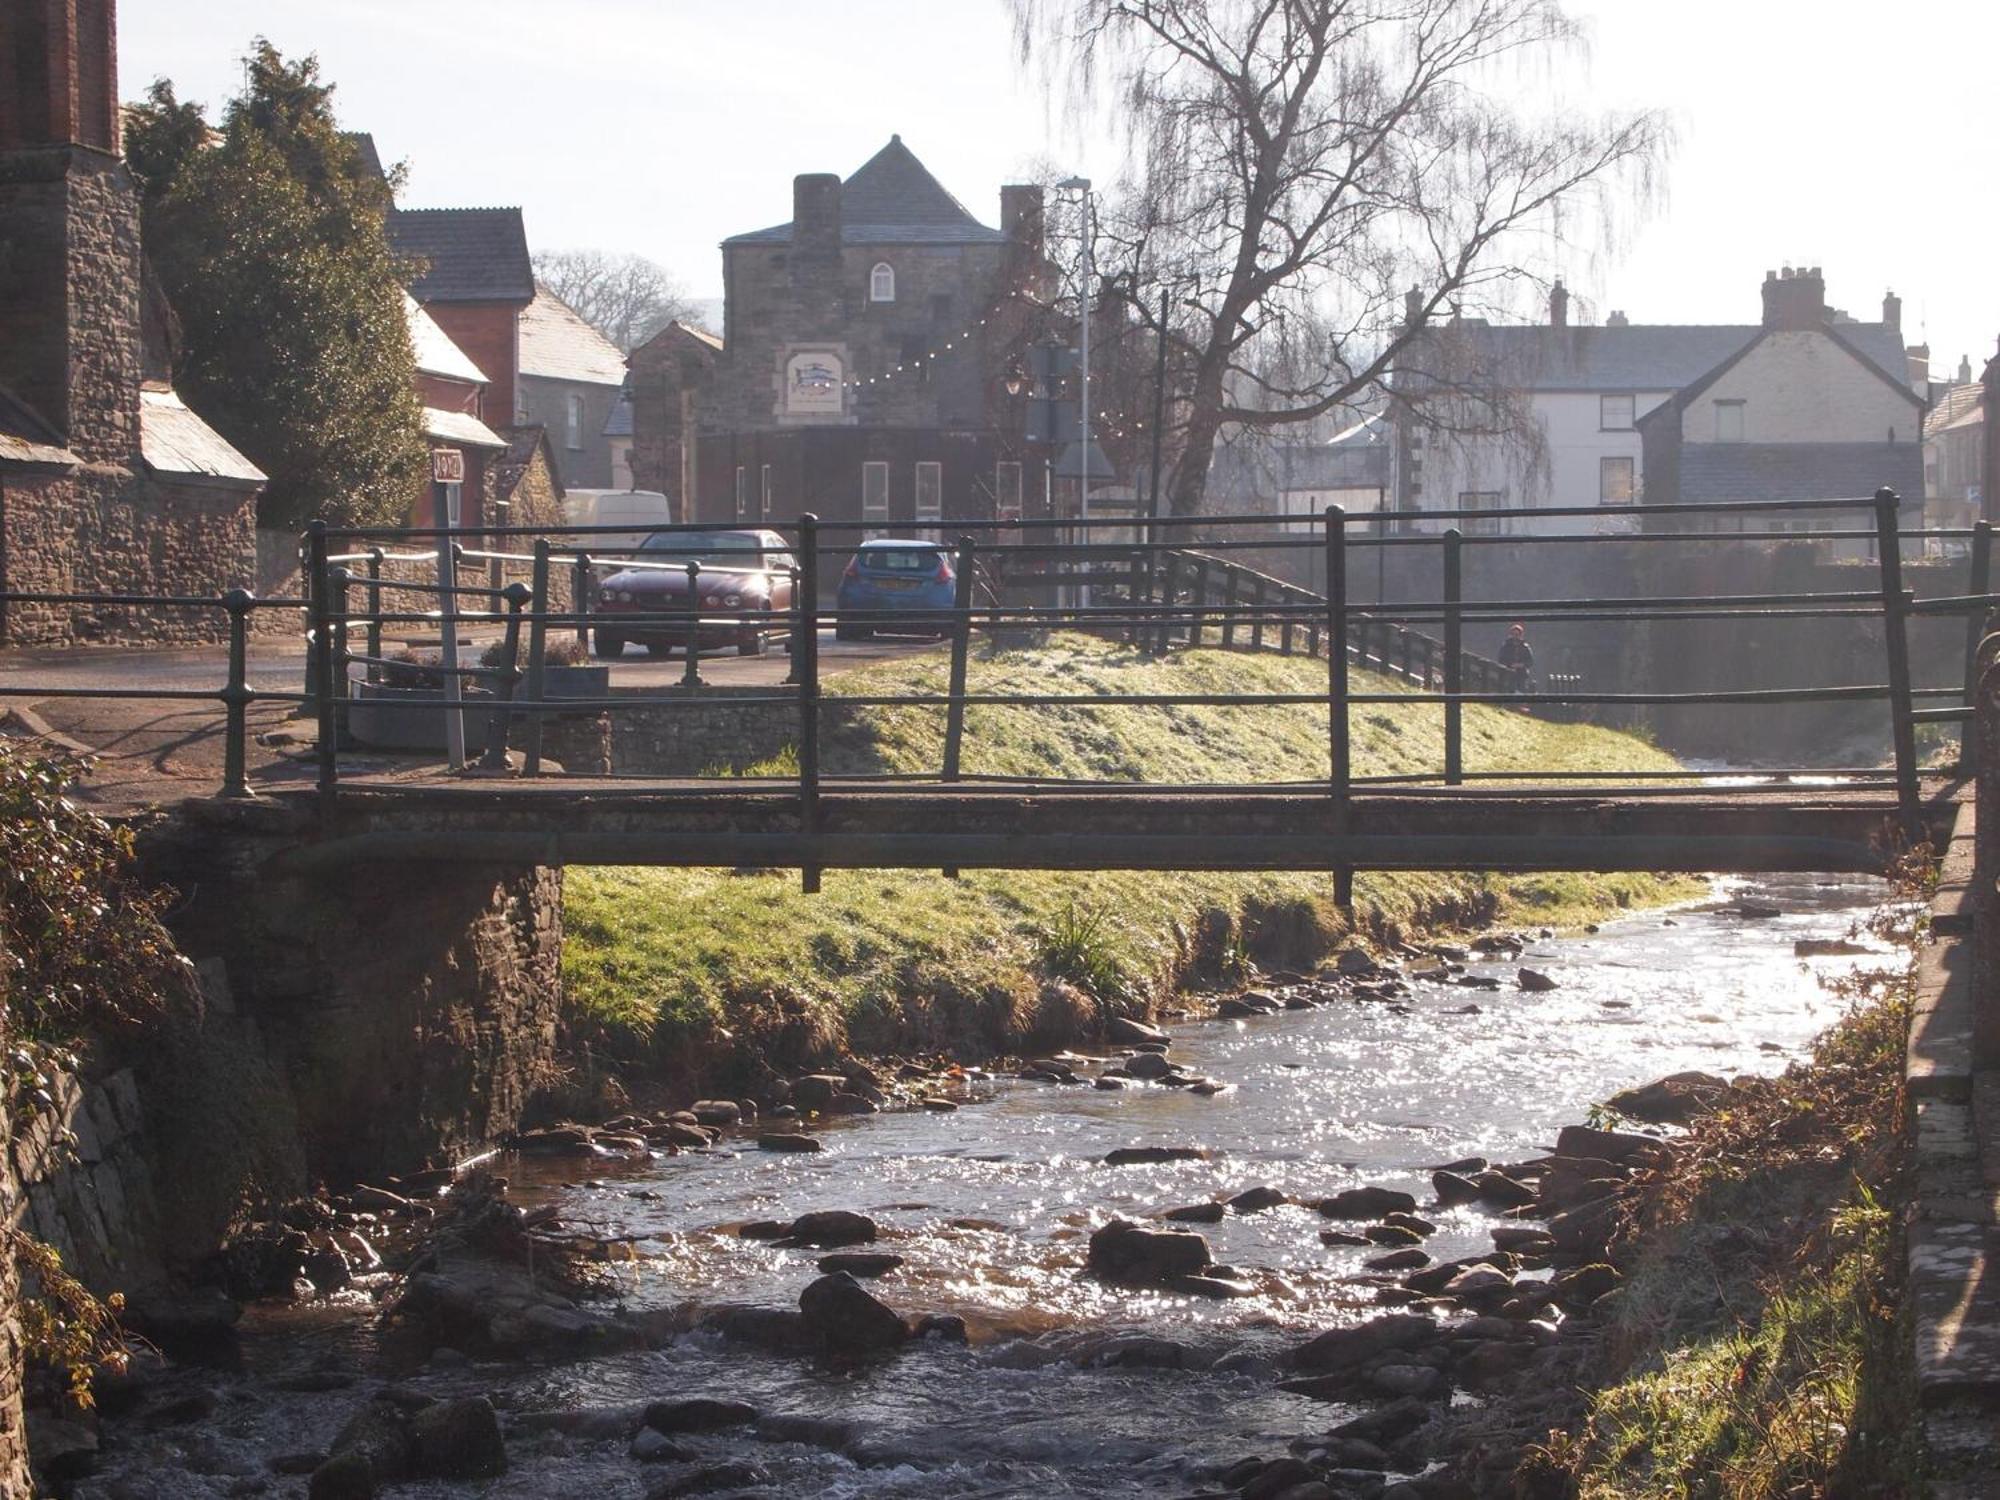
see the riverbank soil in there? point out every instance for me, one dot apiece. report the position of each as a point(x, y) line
point(1758, 1346)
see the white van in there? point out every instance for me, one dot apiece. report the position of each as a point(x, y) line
point(641, 510)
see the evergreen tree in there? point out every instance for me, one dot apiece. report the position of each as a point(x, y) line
point(269, 240)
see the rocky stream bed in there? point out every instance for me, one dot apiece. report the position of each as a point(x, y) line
point(1287, 1247)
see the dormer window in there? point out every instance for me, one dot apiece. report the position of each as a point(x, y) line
point(882, 283)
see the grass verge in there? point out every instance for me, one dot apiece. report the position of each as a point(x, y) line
point(1756, 1351)
point(692, 970)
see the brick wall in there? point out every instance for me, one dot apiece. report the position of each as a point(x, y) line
point(486, 332)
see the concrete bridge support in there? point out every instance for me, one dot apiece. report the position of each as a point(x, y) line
point(409, 1009)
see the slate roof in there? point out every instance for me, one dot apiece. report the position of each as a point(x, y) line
point(173, 440)
point(460, 427)
point(26, 439)
point(892, 199)
point(619, 423)
point(474, 254)
point(557, 344)
point(364, 146)
point(1639, 357)
point(1798, 471)
point(436, 353)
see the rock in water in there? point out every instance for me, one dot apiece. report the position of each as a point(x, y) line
point(1534, 981)
point(861, 1262)
point(457, 1439)
point(717, 1112)
point(1256, 1200)
point(1124, 1251)
point(699, 1414)
point(1139, 1156)
point(1452, 1189)
point(1130, 1032)
point(1366, 1203)
point(1345, 1348)
point(789, 1141)
point(1673, 1100)
point(830, 1228)
point(847, 1322)
point(1196, 1213)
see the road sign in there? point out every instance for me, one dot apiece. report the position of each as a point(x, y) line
point(447, 466)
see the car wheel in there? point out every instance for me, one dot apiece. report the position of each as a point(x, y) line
point(658, 649)
point(607, 646)
point(853, 632)
point(754, 642)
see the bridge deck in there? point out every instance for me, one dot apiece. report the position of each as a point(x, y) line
point(932, 825)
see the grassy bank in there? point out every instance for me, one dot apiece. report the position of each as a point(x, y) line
point(692, 966)
point(1757, 1349)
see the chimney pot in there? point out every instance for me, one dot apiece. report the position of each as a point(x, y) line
point(1413, 307)
point(1558, 305)
point(1796, 301)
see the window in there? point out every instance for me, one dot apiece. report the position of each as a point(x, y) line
point(875, 493)
point(573, 427)
point(1614, 413)
point(1729, 421)
point(930, 491)
point(742, 492)
point(1007, 490)
point(1614, 481)
point(882, 283)
point(764, 496)
point(1485, 500)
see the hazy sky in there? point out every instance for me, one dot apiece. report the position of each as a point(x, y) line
point(1833, 133)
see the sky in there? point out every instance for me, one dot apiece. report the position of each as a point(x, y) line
point(1833, 134)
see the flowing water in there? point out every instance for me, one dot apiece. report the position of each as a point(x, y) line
point(991, 1207)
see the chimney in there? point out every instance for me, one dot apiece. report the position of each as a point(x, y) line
point(1965, 369)
point(1618, 320)
point(1892, 312)
point(1021, 221)
point(815, 217)
point(1413, 307)
point(69, 227)
point(1794, 301)
point(1558, 305)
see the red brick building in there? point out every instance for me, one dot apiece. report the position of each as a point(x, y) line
point(108, 482)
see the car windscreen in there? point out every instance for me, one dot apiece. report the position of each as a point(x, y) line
point(899, 560)
point(706, 545)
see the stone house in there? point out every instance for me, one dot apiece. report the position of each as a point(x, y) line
point(1804, 410)
point(571, 381)
point(861, 369)
point(1511, 418)
point(108, 482)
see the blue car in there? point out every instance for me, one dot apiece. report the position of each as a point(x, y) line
point(890, 578)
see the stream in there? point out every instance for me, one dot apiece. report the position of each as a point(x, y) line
point(991, 1207)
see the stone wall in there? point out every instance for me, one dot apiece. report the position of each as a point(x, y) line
point(87, 1186)
point(688, 731)
point(410, 1012)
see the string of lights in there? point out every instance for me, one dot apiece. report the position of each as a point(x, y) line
point(930, 356)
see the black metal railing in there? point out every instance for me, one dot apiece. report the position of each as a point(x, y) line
point(1161, 584)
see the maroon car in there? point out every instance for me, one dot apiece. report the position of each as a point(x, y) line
point(742, 573)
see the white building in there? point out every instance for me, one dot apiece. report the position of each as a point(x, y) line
point(1513, 419)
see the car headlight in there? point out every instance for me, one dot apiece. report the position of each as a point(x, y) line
point(605, 596)
point(624, 596)
point(732, 600)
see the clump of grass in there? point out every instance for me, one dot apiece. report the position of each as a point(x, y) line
point(1077, 944)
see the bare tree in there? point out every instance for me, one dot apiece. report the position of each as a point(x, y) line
point(627, 298)
point(1298, 164)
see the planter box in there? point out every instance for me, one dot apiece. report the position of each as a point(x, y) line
point(372, 722)
point(570, 682)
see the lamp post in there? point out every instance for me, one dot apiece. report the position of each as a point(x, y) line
point(1082, 185)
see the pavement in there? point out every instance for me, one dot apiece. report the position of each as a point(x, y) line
point(150, 752)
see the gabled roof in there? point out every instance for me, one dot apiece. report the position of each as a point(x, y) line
point(436, 353)
point(474, 254)
point(364, 147)
point(557, 344)
point(1837, 333)
point(1637, 357)
point(173, 440)
point(1960, 406)
point(511, 467)
point(892, 199)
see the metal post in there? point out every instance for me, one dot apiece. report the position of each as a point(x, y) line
point(1454, 661)
point(579, 598)
point(1896, 638)
point(1198, 591)
point(1980, 582)
point(1169, 587)
point(1151, 532)
point(538, 641)
point(691, 676)
point(236, 695)
point(961, 643)
point(501, 725)
point(1229, 576)
point(322, 639)
point(454, 716)
point(1285, 598)
point(375, 602)
point(340, 651)
point(808, 607)
point(1340, 768)
point(1257, 611)
point(1135, 591)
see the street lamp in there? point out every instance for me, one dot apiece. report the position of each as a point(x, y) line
point(1082, 185)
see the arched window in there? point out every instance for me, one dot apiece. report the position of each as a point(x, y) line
point(882, 283)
